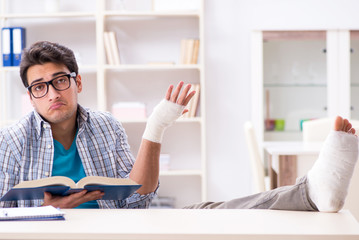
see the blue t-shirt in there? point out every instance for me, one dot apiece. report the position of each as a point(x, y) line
point(68, 163)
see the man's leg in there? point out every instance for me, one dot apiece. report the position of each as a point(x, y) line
point(325, 186)
point(293, 198)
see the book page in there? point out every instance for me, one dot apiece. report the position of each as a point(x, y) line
point(51, 181)
point(99, 180)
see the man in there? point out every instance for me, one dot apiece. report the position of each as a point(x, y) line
point(62, 138)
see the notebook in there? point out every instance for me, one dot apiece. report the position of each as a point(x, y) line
point(31, 214)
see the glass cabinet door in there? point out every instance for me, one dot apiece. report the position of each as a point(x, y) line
point(294, 81)
point(354, 74)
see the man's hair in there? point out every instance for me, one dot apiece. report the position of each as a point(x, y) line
point(46, 52)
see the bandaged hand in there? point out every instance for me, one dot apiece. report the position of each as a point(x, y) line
point(167, 112)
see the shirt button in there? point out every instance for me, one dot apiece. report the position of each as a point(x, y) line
point(47, 174)
point(49, 146)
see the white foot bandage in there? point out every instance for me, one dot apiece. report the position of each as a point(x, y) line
point(163, 116)
point(329, 178)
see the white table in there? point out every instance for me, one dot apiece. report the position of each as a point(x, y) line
point(283, 160)
point(157, 224)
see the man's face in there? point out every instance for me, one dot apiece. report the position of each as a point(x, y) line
point(56, 106)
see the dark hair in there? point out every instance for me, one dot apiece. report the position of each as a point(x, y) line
point(44, 52)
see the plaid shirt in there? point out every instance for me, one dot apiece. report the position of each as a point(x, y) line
point(27, 152)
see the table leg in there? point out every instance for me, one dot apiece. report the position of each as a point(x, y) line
point(287, 170)
point(272, 174)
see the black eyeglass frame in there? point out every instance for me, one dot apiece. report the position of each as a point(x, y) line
point(69, 76)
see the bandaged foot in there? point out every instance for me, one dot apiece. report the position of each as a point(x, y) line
point(329, 178)
point(163, 116)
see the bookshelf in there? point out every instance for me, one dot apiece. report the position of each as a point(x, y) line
point(143, 36)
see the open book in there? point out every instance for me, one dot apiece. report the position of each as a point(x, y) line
point(114, 188)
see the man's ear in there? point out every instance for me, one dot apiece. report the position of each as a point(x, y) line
point(79, 83)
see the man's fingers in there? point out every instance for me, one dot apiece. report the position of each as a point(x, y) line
point(93, 196)
point(72, 200)
point(182, 98)
point(176, 92)
point(169, 92)
point(188, 98)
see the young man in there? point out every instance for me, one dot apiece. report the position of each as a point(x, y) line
point(62, 138)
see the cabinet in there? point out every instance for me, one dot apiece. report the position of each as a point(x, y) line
point(143, 35)
point(354, 73)
point(299, 75)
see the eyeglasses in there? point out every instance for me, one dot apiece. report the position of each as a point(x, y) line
point(60, 83)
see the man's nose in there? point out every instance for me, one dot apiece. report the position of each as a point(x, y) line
point(52, 92)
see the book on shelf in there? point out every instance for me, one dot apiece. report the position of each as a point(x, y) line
point(6, 48)
point(189, 51)
point(129, 111)
point(18, 43)
point(13, 42)
point(114, 188)
point(193, 103)
point(194, 59)
point(111, 48)
point(31, 214)
point(165, 160)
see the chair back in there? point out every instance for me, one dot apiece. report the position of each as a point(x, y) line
point(318, 129)
point(255, 157)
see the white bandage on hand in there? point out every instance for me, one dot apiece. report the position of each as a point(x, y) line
point(163, 116)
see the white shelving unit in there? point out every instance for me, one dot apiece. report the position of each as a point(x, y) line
point(142, 36)
point(307, 74)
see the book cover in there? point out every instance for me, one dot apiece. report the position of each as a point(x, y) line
point(190, 103)
point(114, 48)
point(194, 59)
point(183, 51)
point(6, 39)
point(114, 188)
point(18, 44)
point(194, 105)
point(189, 51)
point(108, 50)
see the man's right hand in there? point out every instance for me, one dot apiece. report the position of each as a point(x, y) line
point(71, 201)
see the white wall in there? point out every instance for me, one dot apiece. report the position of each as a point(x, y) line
point(228, 24)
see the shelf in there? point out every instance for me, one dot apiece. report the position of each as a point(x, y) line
point(148, 67)
point(151, 14)
point(50, 15)
point(17, 69)
point(181, 173)
point(181, 120)
point(294, 85)
point(291, 135)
